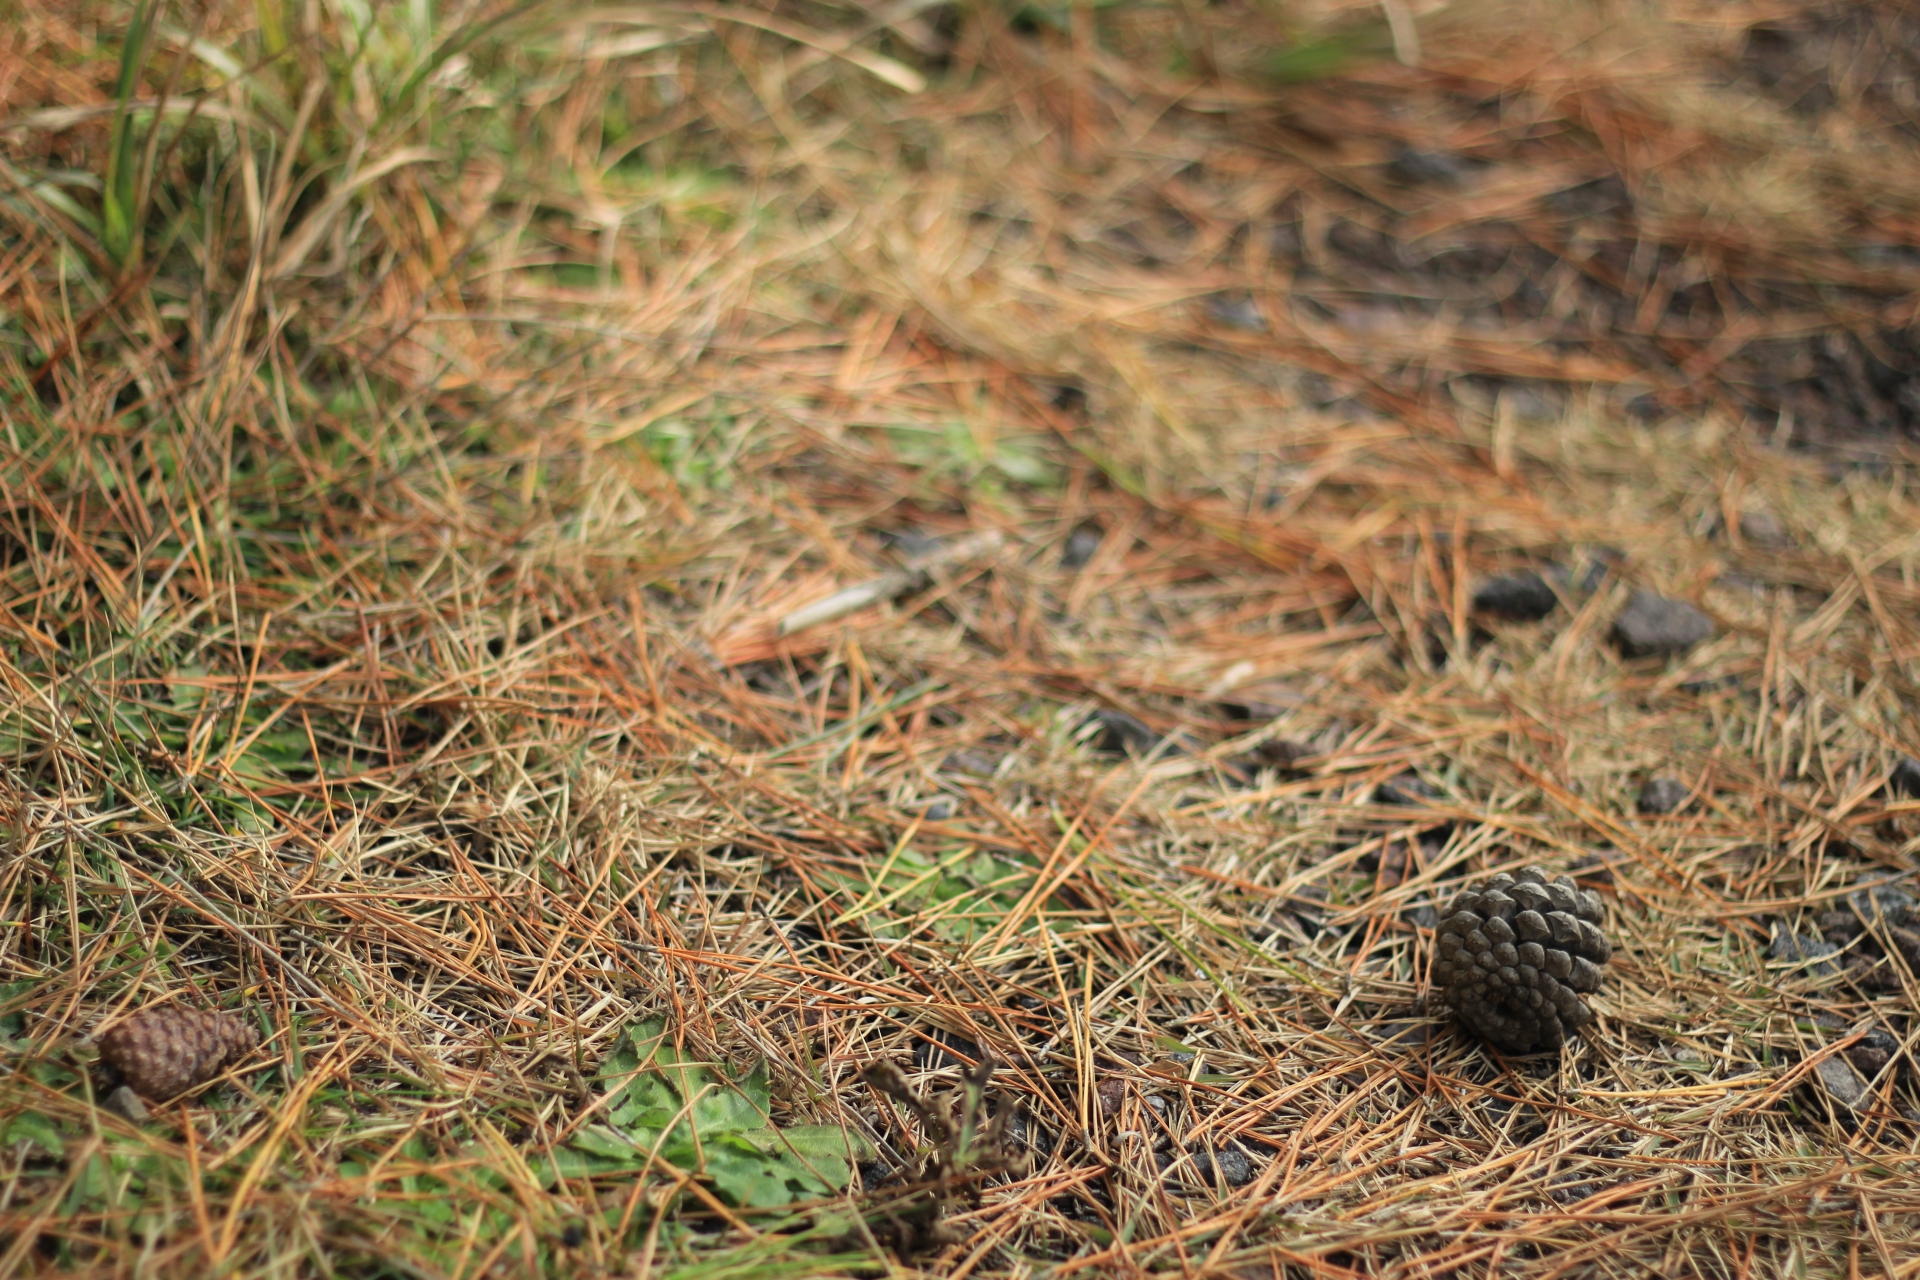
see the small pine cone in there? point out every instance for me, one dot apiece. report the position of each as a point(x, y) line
point(163, 1052)
point(1515, 955)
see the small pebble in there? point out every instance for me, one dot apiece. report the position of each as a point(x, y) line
point(1763, 529)
point(1905, 778)
point(1843, 1083)
point(1525, 596)
point(126, 1104)
point(1237, 313)
point(1081, 545)
point(1662, 795)
point(1282, 752)
point(1654, 626)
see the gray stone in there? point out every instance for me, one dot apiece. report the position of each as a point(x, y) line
point(1843, 1083)
point(1794, 948)
point(1662, 795)
point(1653, 626)
point(1763, 529)
point(1882, 903)
point(1905, 778)
point(125, 1103)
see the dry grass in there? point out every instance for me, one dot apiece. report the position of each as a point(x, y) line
point(396, 521)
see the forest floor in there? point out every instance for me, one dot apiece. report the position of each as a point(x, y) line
point(436, 443)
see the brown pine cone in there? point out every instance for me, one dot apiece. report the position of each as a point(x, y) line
point(163, 1052)
point(1515, 956)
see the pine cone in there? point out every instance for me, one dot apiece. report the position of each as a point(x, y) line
point(163, 1052)
point(1515, 956)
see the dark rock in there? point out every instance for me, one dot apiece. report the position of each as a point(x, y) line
point(1528, 1123)
point(939, 810)
point(1699, 688)
point(1883, 903)
point(1600, 561)
point(913, 544)
point(1283, 753)
point(1123, 734)
point(1905, 778)
point(1261, 702)
point(1033, 1135)
point(945, 1049)
point(1227, 1164)
point(1871, 1056)
point(1662, 795)
point(1595, 868)
point(1654, 626)
point(1794, 948)
point(1408, 788)
point(1525, 596)
point(1838, 927)
point(1405, 1033)
point(973, 761)
point(1081, 545)
point(1420, 168)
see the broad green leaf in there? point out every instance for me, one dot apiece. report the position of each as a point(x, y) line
point(749, 1179)
point(600, 1140)
point(820, 1141)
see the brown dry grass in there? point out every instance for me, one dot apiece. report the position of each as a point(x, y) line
point(392, 556)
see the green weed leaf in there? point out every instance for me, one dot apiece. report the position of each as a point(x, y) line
point(690, 1115)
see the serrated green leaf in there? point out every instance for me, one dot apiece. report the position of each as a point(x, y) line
point(31, 1126)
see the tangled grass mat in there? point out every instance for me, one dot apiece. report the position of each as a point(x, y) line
point(779, 640)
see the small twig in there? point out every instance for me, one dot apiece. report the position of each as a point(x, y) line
point(917, 575)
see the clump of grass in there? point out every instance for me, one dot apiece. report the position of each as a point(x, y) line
point(407, 411)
